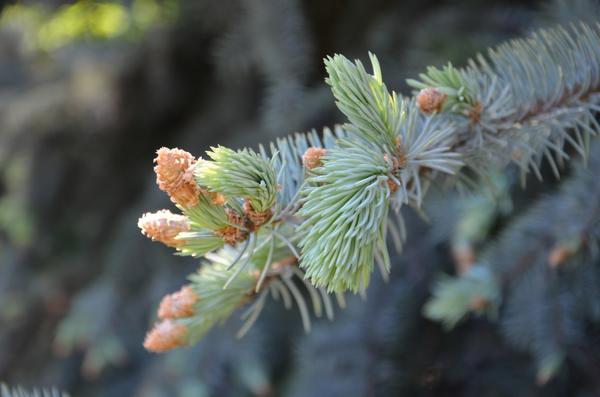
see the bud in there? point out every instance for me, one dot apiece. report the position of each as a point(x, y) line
point(430, 100)
point(464, 258)
point(478, 304)
point(217, 198)
point(312, 157)
point(559, 255)
point(475, 112)
point(400, 154)
point(396, 162)
point(564, 250)
point(164, 226)
point(257, 218)
point(174, 175)
point(284, 263)
point(393, 186)
point(166, 335)
point(230, 234)
point(179, 304)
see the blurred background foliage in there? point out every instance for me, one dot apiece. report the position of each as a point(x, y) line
point(90, 89)
point(46, 28)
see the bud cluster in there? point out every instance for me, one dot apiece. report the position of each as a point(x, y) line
point(232, 234)
point(431, 100)
point(174, 175)
point(166, 335)
point(164, 226)
point(312, 157)
point(169, 334)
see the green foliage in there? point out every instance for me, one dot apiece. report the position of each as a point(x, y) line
point(346, 201)
point(15, 220)
point(47, 30)
point(454, 297)
point(346, 207)
point(239, 174)
point(376, 114)
point(478, 212)
point(199, 242)
point(216, 302)
point(427, 149)
point(83, 330)
point(222, 289)
point(548, 367)
point(269, 248)
point(206, 214)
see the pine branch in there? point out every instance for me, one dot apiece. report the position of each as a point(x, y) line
point(509, 107)
point(324, 202)
point(526, 108)
point(547, 265)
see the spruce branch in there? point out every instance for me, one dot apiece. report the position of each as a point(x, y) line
point(346, 201)
point(546, 264)
point(324, 201)
point(527, 108)
point(454, 297)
